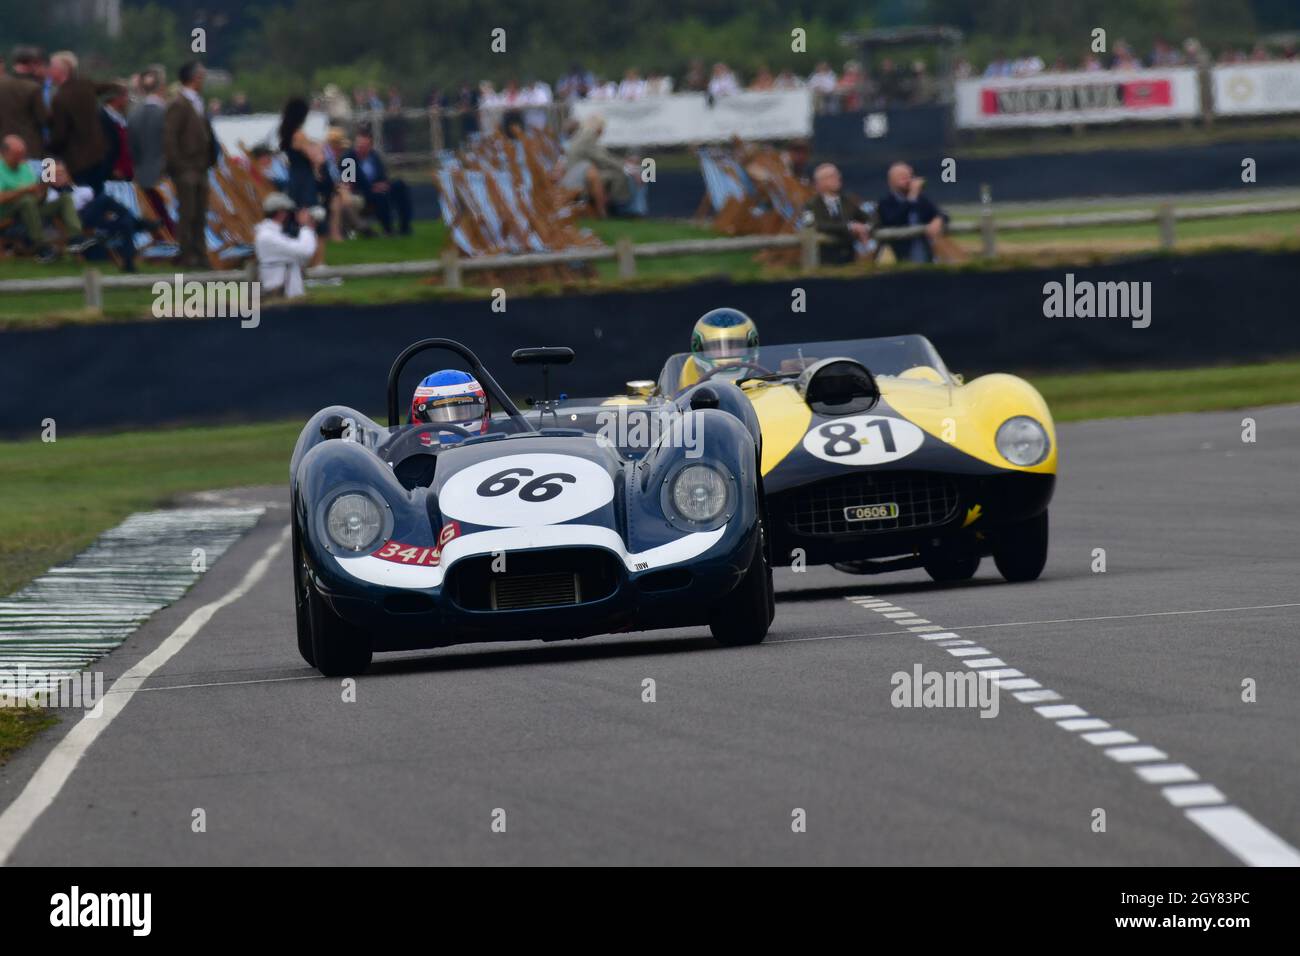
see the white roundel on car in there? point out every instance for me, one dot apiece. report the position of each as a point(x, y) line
point(521, 491)
point(863, 440)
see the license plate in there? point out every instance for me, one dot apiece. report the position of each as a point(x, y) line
point(880, 512)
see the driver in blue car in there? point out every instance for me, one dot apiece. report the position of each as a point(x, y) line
point(722, 339)
point(453, 398)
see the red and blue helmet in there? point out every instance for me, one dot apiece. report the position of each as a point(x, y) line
point(451, 397)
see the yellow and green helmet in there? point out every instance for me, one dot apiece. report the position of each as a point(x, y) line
point(722, 338)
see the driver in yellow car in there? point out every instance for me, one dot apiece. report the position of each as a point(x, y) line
point(722, 339)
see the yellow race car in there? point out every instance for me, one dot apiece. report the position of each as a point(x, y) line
point(874, 457)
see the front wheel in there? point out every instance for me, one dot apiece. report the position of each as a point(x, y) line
point(302, 617)
point(948, 567)
point(1020, 551)
point(745, 614)
point(339, 648)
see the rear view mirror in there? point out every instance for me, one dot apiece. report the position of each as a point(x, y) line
point(641, 387)
point(543, 355)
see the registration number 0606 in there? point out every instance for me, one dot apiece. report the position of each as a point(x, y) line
point(878, 512)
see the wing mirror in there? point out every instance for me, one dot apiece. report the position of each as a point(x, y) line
point(641, 387)
point(543, 355)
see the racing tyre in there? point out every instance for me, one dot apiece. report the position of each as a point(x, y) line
point(301, 616)
point(1021, 550)
point(946, 567)
point(744, 615)
point(339, 649)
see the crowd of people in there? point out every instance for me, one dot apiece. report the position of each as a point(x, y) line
point(888, 82)
point(1122, 56)
point(64, 136)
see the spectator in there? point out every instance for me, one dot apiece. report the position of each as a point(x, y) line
point(22, 109)
point(822, 81)
point(281, 257)
point(261, 167)
point(21, 198)
point(632, 87)
point(76, 133)
point(382, 195)
point(189, 150)
point(104, 215)
point(843, 224)
point(697, 79)
point(145, 131)
point(852, 80)
point(787, 80)
point(723, 81)
point(239, 105)
point(591, 169)
point(346, 206)
point(118, 162)
point(904, 205)
point(309, 183)
point(658, 84)
point(762, 81)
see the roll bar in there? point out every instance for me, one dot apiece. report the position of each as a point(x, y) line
point(494, 391)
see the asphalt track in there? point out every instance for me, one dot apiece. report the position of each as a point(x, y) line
point(1201, 591)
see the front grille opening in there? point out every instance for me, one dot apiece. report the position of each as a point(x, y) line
point(563, 577)
point(669, 580)
point(921, 500)
point(515, 591)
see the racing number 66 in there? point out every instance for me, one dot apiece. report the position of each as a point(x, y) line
point(541, 488)
point(840, 441)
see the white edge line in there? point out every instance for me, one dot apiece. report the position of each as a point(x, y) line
point(51, 776)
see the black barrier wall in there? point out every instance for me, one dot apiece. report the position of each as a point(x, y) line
point(111, 376)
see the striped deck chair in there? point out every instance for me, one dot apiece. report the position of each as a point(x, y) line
point(451, 211)
point(720, 182)
point(509, 203)
point(128, 195)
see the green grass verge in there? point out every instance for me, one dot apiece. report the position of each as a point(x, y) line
point(59, 496)
point(18, 725)
point(1076, 397)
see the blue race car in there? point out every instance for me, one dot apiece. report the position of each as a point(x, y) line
point(424, 535)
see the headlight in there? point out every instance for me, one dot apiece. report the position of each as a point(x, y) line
point(354, 521)
point(1022, 441)
point(699, 493)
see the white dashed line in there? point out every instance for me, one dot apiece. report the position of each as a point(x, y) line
point(1082, 723)
point(1108, 738)
point(1238, 831)
point(1061, 710)
point(1140, 753)
point(1193, 794)
point(1167, 773)
point(1203, 804)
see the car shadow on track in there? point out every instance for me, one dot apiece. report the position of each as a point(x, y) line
point(516, 656)
point(880, 589)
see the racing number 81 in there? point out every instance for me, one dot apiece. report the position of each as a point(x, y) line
point(541, 488)
point(840, 442)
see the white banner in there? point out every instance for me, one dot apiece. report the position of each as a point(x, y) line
point(1257, 88)
point(262, 129)
point(1054, 99)
point(690, 118)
